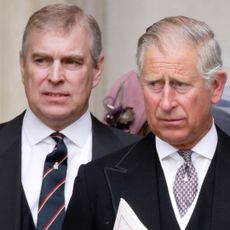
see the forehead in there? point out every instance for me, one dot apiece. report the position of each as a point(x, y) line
point(181, 59)
point(57, 38)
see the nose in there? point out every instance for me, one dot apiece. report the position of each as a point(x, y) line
point(56, 73)
point(168, 99)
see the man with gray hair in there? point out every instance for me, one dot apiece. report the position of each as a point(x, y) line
point(177, 177)
point(41, 150)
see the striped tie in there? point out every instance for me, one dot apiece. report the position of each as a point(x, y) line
point(51, 208)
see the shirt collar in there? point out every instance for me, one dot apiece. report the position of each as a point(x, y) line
point(36, 131)
point(78, 131)
point(205, 147)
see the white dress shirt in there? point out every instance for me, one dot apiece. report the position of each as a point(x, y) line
point(170, 161)
point(37, 143)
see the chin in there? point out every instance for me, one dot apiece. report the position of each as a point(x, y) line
point(55, 114)
point(174, 138)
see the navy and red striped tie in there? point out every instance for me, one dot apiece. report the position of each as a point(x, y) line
point(51, 209)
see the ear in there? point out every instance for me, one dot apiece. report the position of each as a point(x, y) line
point(218, 86)
point(98, 70)
point(22, 64)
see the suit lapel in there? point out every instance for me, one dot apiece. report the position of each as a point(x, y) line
point(134, 179)
point(99, 136)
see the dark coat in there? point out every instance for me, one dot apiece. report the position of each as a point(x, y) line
point(135, 174)
point(14, 211)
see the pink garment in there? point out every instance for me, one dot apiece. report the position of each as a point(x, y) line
point(129, 96)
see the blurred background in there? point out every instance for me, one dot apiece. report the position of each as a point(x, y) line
point(121, 21)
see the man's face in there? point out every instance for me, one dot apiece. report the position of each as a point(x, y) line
point(178, 102)
point(58, 75)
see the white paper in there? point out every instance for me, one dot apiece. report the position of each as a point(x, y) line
point(126, 218)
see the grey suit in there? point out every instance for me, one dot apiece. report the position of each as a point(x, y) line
point(14, 211)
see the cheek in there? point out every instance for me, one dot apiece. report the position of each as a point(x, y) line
point(80, 79)
point(151, 102)
point(34, 78)
point(79, 86)
point(27, 81)
point(150, 98)
point(32, 84)
point(195, 108)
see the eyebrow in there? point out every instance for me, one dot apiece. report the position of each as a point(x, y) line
point(70, 56)
point(39, 55)
point(73, 56)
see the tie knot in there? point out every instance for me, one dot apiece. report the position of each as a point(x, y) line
point(186, 155)
point(57, 136)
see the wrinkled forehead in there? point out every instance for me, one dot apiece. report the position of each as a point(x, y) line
point(174, 59)
point(171, 53)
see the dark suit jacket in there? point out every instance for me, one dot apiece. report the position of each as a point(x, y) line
point(135, 174)
point(221, 114)
point(14, 210)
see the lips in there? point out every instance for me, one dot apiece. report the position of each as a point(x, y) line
point(55, 94)
point(172, 121)
point(60, 98)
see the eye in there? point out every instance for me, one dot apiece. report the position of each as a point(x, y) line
point(42, 61)
point(156, 86)
point(72, 63)
point(181, 87)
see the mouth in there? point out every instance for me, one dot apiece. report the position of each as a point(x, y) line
point(172, 122)
point(55, 97)
point(54, 94)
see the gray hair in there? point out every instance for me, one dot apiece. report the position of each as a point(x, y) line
point(191, 31)
point(64, 17)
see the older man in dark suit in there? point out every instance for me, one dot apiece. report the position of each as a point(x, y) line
point(177, 177)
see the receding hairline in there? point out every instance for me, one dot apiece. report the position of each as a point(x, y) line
point(173, 30)
point(57, 17)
